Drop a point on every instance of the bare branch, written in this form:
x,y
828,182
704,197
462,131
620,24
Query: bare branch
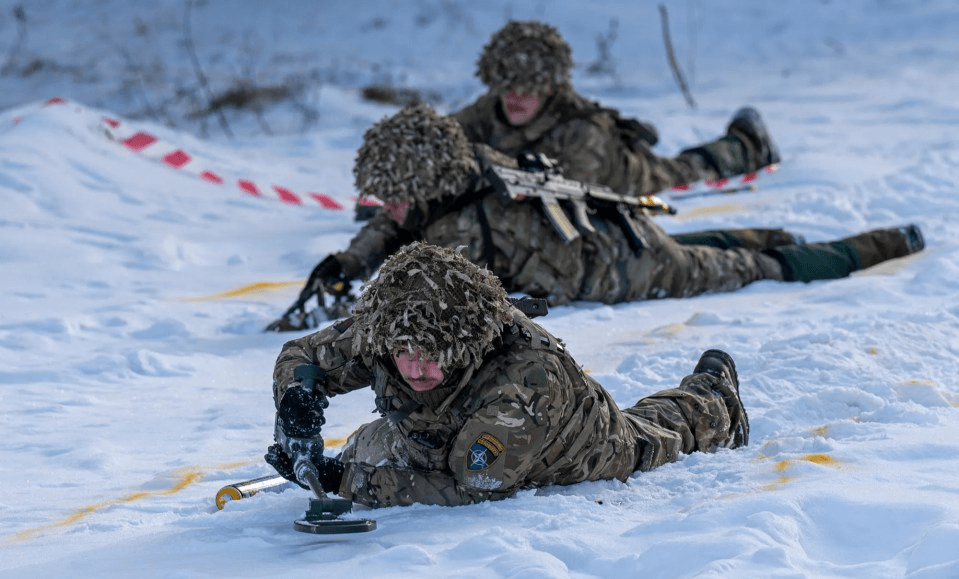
x,y
191,50
677,73
21,17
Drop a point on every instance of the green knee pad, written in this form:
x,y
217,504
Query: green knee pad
x,y
814,261
717,239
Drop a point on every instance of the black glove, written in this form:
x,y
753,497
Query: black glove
x,y
282,462
329,470
328,276
301,412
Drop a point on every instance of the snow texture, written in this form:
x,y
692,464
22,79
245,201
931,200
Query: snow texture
x,y
132,387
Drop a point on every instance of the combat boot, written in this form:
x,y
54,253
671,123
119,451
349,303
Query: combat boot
x,y
746,147
720,364
748,126
838,259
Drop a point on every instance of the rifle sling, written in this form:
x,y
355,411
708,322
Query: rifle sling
x,y
474,196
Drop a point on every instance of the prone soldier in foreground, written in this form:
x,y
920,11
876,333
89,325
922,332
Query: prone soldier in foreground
x,y
476,400
439,188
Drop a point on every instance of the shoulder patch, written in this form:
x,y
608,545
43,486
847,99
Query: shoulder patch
x,y
484,452
343,325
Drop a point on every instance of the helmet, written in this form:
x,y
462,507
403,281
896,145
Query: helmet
x,y
434,299
416,155
525,57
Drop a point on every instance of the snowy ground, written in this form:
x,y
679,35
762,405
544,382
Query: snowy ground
x,y
132,388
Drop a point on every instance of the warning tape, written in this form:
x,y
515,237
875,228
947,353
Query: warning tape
x,y
722,185
151,146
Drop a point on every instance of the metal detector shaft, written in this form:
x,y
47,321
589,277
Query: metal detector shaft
x,y
309,477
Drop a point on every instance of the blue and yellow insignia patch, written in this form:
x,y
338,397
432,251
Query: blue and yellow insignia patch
x,y
484,452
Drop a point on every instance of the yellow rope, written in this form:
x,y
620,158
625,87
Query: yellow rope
x,y
186,477
256,287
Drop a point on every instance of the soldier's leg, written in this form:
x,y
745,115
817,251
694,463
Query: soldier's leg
x,y
667,269
663,173
745,148
664,268
704,413
837,259
750,238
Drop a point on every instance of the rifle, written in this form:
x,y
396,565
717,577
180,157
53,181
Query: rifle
x,y
540,178
298,318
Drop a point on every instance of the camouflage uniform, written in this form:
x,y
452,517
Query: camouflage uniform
x,y
516,412
588,140
516,241
585,141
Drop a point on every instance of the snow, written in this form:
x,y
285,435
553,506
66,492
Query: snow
x,y
132,389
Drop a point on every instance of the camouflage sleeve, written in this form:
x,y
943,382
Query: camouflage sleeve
x,y
492,455
402,486
594,154
376,241
329,348
501,444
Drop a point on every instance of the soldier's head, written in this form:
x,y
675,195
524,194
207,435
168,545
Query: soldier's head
x,y
523,63
411,158
430,303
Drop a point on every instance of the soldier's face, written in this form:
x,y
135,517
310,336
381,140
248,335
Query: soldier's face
x,y
420,372
520,108
397,210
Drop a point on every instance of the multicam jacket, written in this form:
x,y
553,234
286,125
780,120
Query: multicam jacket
x,y
527,416
515,240
586,141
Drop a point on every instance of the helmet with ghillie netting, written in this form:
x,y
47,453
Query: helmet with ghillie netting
x,y
416,156
432,299
525,57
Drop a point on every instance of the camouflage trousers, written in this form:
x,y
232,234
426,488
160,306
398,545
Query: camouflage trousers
x,y
667,267
693,417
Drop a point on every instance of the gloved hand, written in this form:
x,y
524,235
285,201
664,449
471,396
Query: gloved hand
x,y
281,461
300,413
298,421
328,276
329,470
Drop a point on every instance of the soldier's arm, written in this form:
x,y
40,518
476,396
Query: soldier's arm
x,y
329,348
379,238
489,460
593,154
506,438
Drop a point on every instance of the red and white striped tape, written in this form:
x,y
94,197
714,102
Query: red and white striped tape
x,y
152,147
174,157
723,183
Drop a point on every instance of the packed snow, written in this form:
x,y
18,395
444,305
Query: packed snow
x,y
135,379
